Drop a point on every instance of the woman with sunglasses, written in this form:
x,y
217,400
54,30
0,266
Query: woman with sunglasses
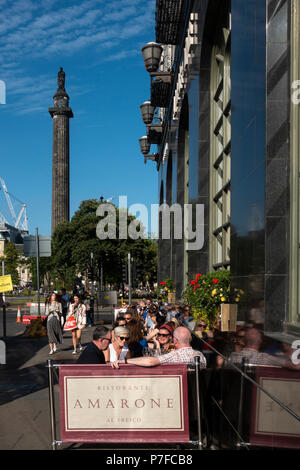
x,y
118,349
160,341
165,339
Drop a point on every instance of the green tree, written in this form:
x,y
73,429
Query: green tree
x,y
12,260
45,270
73,243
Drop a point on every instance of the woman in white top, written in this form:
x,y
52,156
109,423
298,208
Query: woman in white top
x,y
118,349
78,309
53,311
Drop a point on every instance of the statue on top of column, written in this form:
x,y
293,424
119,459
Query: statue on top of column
x,y
61,79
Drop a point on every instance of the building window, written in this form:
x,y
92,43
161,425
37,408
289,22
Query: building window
x,y
220,150
294,284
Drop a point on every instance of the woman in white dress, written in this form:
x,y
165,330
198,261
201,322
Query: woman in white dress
x,y
78,310
118,349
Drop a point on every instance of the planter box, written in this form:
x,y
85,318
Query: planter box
x,y
228,317
171,297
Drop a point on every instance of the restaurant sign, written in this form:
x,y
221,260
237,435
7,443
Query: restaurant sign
x,y
131,404
271,424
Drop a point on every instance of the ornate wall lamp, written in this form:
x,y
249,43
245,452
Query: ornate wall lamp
x,y
145,148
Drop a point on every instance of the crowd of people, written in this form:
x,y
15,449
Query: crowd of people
x,y
157,331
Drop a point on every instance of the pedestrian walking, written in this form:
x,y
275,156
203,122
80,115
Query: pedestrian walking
x,y
77,309
87,304
53,312
65,300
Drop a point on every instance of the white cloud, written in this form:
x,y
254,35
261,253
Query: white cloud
x,y
48,29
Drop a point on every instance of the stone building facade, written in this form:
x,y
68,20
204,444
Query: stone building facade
x,y
230,140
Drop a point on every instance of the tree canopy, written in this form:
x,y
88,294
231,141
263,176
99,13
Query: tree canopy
x,y
74,241
12,260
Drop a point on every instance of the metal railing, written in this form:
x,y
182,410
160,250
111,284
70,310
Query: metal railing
x,y
201,415
243,375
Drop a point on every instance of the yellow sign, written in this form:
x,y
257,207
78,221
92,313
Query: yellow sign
x,y
6,283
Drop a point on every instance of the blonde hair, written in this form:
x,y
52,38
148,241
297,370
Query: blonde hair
x,y
121,330
174,321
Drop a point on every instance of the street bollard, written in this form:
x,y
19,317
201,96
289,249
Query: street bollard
x,y
52,405
198,404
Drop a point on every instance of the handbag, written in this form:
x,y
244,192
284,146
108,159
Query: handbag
x,y
70,323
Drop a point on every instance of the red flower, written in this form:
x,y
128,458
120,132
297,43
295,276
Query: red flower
x,y
193,282
198,275
162,283
215,281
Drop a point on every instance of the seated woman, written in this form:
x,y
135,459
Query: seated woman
x,y
153,319
118,349
160,340
136,343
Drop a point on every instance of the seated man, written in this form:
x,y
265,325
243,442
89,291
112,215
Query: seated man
x,y
252,355
93,353
183,353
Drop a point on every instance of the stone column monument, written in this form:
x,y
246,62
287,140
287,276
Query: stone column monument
x,y
61,113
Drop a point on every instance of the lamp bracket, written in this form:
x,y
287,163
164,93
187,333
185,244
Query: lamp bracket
x,y
153,156
163,76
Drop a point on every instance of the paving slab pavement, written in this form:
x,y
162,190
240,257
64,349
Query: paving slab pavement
x,y
24,394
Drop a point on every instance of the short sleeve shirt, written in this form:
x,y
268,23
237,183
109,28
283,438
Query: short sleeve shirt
x,y
255,357
182,355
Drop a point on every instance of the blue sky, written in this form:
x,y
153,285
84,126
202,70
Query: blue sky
x,y
98,44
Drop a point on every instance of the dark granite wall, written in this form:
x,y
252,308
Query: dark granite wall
x,y
248,124
260,156
277,165
260,151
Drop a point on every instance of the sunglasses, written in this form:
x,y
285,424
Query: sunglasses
x,y
108,339
123,338
163,334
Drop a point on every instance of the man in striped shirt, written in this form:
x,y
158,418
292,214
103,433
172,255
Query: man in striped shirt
x,y
183,353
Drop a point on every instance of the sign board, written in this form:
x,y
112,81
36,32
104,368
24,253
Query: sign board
x,y
26,319
107,298
6,283
34,307
30,246
131,404
118,311
271,425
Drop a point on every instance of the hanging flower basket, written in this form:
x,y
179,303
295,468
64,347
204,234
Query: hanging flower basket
x,y
166,290
207,293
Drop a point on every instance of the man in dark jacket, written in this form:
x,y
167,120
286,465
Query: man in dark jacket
x,y
93,354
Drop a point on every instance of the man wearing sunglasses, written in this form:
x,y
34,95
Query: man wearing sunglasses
x,y
93,353
183,353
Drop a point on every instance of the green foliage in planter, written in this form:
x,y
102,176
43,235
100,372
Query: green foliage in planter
x,y
164,287
205,293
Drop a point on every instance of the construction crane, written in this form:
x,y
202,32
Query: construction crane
x,y
20,221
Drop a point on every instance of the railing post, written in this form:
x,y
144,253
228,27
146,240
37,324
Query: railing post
x,y
52,405
241,402
198,404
